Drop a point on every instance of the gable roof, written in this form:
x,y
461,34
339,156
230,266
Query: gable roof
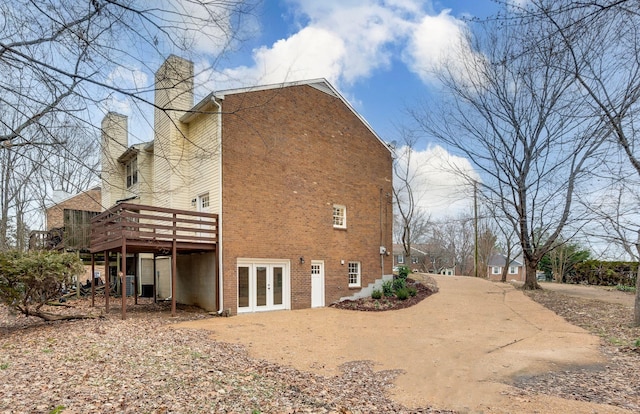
x,y
399,249
500,260
320,84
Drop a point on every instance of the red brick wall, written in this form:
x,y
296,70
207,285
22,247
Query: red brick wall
x,y
87,201
288,156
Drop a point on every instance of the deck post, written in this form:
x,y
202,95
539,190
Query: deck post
x,y
174,268
154,278
107,276
135,278
93,280
123,278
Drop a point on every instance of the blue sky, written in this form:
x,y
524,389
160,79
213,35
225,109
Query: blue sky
x,y
375,52
379,54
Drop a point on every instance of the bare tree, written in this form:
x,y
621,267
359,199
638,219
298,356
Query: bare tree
x,y
602,41
408,217
512,111
65,62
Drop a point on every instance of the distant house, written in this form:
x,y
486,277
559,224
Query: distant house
x,y
448,271
418,258
68,222
496,265
254,199
68,225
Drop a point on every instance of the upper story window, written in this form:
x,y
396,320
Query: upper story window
x,y
132,172
204,201
354,274
339,216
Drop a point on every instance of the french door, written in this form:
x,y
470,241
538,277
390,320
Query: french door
x,y
263,285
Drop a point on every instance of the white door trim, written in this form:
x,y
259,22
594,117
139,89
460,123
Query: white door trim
x,y
253,264
317,283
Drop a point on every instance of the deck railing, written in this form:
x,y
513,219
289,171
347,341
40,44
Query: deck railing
x,y
144,225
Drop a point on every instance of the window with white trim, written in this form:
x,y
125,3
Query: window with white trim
x,y
354,274
400,259
339,216
495,270
132,172
204,201
513,270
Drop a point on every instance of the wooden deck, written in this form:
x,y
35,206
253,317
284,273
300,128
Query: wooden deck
x,y
136,228
149,229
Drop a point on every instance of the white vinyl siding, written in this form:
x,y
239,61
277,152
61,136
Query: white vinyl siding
x,y
205,167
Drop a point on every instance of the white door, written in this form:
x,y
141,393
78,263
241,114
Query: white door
x,y
317,283
204,206
262,286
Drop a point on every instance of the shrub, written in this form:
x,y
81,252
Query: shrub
x,y
624,288
596,272
29,280
387,288
399,283
403,272
402,294
412,291
376,294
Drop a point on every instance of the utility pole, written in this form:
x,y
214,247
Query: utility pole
x,y
475,227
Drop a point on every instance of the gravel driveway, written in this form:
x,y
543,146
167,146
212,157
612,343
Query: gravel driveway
x,y
458,349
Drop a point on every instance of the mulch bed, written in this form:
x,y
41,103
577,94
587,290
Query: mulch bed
x,y
388,303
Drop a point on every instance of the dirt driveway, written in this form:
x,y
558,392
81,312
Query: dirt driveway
x,y
457,348
605,294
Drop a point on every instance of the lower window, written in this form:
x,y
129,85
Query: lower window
x,y
354,274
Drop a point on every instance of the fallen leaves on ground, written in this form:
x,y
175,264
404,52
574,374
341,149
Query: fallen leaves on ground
x,y
618,382
140,365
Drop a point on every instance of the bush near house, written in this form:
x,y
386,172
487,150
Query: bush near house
x,y
596,272
403,272
29,280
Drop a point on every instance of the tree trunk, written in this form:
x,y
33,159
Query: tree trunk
x,y
50,317
636,310
531,280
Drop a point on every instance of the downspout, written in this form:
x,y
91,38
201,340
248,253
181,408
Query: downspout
x,y
219,247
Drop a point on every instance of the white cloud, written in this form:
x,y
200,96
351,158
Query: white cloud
x,y
441,181
346,41
435,43
114,104
312,52
202,27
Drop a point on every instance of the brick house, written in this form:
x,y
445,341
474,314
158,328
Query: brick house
x,y
496,266
67,222
299,183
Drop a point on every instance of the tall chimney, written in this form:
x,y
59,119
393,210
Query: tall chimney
x,y
114,143
173,97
